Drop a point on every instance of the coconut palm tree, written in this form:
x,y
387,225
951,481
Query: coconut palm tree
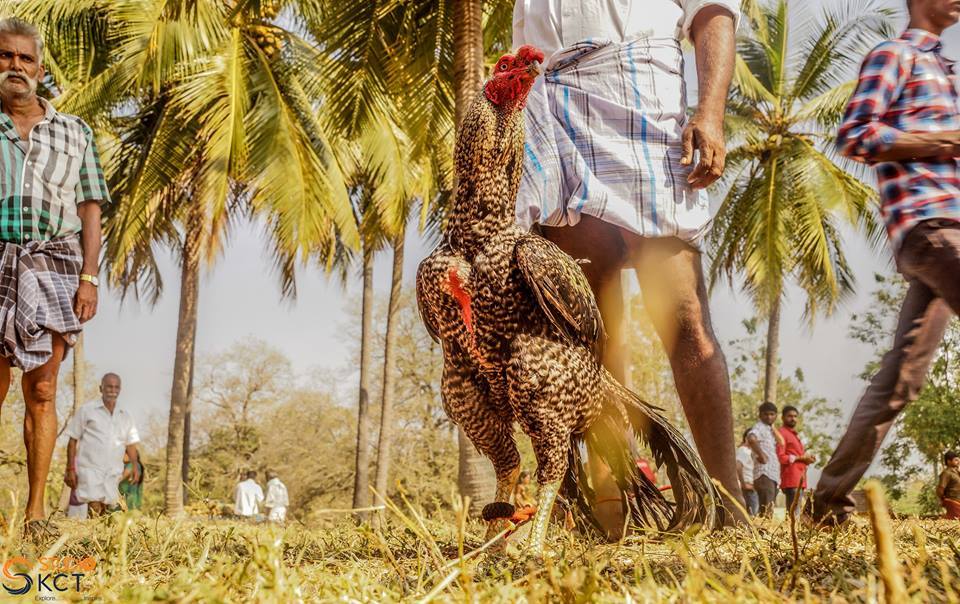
x,y
214,124
427,56
787,193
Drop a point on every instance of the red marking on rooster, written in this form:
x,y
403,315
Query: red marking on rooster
x,y
462,298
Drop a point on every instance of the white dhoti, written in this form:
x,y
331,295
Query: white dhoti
x,y
95,484
278,514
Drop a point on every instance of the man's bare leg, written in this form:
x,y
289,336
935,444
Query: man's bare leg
x,y
601,244
4,380
671,277
40,426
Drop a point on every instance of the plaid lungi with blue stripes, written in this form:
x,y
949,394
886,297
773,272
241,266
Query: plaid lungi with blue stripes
x,y
38,283
603,137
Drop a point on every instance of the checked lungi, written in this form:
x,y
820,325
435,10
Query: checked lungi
x,y
603,137
38,283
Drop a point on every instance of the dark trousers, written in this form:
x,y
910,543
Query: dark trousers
x,y
791,494
930,261
766,494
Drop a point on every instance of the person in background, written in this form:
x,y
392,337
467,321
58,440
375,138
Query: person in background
x,y
130,488
763,440
248,496
276,501
904,119
99,435
793,459
948,488
745,474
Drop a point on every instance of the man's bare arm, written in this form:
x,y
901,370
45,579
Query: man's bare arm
x,y
754,443
134,456
85,305
714,38
70,477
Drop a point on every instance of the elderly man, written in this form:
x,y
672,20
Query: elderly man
x,y
51,191
904,119
615,173
100,435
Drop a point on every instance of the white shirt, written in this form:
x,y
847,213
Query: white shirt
x,y
551,25
101,438
768,444
247,498
276,494
745,459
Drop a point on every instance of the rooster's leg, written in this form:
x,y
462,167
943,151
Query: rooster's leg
x,y
468,403
538,533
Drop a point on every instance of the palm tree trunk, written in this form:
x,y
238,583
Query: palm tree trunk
x,y
476,478
389,373
78,376
361,492
773,354
180,389
185,465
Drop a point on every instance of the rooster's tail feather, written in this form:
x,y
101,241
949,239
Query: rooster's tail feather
x,y
695,499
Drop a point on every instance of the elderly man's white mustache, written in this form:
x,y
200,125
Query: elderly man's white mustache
x,y
6,75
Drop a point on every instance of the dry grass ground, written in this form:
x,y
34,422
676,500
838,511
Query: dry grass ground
x,y
142,559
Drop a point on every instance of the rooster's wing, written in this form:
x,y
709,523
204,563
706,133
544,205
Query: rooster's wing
x,y
562,290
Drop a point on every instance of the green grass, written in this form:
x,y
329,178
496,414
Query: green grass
x,y
142,559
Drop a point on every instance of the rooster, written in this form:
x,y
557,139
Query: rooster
x,y
521,336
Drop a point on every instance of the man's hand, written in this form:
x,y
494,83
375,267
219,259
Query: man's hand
x,y
704,134
135,474
85,303
808,459
70,479
761,458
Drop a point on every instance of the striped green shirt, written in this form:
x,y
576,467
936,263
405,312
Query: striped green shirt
x,y
45,178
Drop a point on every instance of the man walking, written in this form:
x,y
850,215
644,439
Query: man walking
x,y
51,191
100,434
793,458
247,497
948,487
612,177
904,119
763,441
276,501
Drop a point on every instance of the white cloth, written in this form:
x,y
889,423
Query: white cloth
x,y
102,437
552,25
276,494
604,124
278,513
745,459
77,511
247,498
768,444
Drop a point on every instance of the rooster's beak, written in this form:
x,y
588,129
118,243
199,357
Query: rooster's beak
x,y
534,68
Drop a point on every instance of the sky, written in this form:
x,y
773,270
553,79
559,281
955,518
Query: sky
x,y
239,297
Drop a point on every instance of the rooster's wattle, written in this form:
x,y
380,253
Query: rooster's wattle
x,y
521,336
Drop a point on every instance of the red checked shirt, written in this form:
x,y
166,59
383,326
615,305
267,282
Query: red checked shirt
x,y
793,473
905,85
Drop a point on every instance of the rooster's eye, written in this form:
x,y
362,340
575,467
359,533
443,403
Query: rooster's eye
x,y
503,66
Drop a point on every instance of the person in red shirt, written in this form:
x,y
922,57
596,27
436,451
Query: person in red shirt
x,y
793,459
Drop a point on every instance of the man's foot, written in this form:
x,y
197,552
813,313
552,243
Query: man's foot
x,y
40,530
820,517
